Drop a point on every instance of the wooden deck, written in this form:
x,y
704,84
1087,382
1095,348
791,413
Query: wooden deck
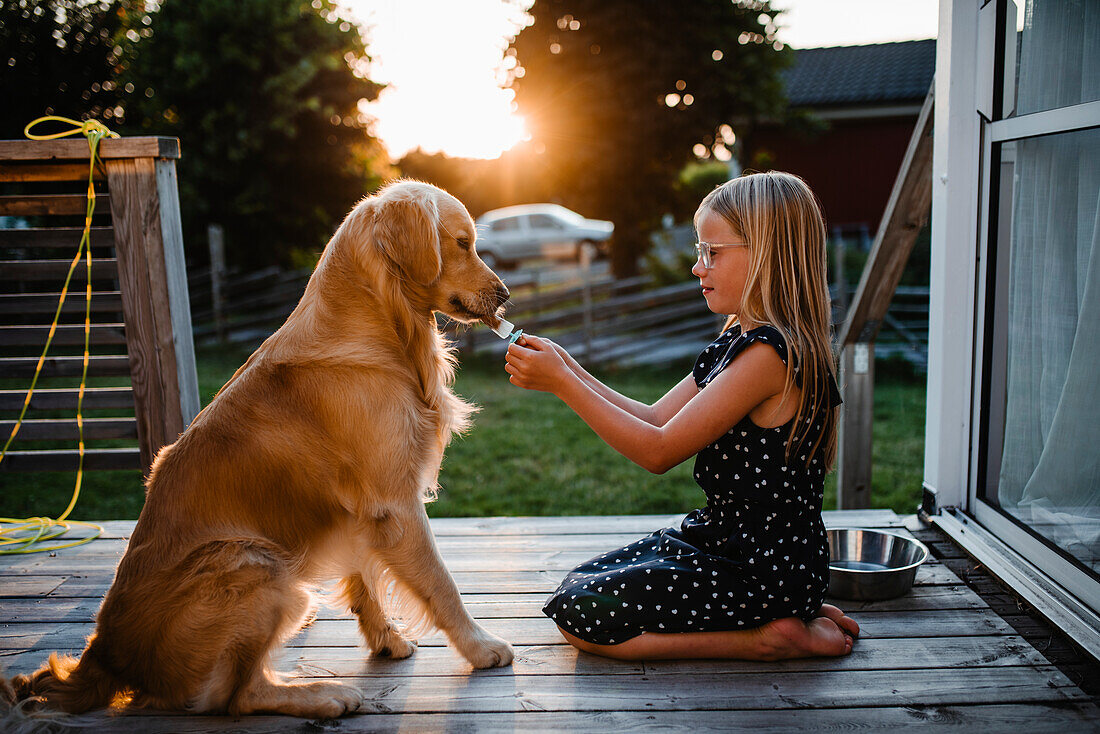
x,y
939,655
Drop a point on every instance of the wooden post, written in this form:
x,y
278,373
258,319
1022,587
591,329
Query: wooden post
x,y
906,213
854,442
215,236
149,245
586,296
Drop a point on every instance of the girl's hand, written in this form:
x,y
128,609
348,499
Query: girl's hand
x,y
537,365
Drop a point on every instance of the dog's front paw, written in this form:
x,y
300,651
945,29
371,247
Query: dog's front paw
x,y
397,648
485,650
392,645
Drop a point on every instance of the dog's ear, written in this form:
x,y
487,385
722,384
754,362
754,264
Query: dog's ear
x,y
406,231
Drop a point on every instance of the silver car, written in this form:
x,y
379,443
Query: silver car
x,y
509,235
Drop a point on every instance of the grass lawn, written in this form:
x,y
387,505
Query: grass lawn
x,y
527,454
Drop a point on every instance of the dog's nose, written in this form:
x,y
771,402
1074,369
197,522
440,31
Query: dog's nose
x,y
501,293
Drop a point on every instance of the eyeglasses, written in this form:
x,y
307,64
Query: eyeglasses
x,y
705,251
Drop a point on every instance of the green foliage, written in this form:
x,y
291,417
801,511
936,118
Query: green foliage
x,y
669,266
263,95
529,454
699,178
593,82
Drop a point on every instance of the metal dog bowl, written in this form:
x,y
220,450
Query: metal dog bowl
x,y
867,565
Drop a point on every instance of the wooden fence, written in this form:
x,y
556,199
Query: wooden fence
x,y
143,389
601,321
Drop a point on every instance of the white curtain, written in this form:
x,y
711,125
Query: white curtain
x,y
1050,468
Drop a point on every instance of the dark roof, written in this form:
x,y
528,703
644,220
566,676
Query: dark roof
x,y
881,72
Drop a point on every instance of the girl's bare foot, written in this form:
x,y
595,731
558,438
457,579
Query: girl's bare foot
x,y
829,635
848,625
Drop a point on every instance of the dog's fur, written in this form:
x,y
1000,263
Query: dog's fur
x,y
313,462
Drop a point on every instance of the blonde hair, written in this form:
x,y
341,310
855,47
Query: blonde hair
x,y
780,219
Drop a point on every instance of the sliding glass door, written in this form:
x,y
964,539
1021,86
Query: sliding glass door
x,y
1036,474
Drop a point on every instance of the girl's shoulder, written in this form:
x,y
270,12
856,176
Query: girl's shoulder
x,y
731,342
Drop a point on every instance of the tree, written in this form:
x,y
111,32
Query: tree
x,y
264,96
59,57
617,92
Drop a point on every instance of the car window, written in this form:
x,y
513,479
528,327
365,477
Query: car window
x,y
544,221
508,224
568,215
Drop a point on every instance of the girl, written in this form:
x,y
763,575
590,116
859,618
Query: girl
x,y
745,576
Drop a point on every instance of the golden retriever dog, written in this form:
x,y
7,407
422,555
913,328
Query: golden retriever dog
x,y
312,463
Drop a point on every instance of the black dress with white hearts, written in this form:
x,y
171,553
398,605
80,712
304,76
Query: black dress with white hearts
x,y
757,552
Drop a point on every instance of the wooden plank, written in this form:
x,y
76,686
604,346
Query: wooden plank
x,y
65,334
556,563
65,398
66,429
1038,718
76,149
149,247
46,303
67,460
46,171
112,365
56,237
563,659
559,562
468,582
626,524
175,290
24,271
516,563
23,586
50,204
719,691
579,524
344,632
480,605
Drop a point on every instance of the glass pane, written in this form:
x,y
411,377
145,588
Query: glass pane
x,y
1058,55
543,221
1047,475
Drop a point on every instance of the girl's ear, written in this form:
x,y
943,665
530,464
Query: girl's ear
x,y
406,232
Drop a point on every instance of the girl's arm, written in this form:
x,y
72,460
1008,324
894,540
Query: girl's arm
x,y
756,375
656,414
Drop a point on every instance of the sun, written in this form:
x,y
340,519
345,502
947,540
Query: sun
x,y
444,63
472,123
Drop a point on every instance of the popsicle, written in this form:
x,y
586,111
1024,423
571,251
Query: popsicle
x,y
507,330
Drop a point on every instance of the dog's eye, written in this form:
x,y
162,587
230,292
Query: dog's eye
x,y
463,242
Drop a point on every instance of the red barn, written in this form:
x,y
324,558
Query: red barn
x,y
869,98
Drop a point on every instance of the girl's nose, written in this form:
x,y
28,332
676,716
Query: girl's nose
x,y
697,269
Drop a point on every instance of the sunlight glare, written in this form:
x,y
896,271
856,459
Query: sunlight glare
x,y
444,63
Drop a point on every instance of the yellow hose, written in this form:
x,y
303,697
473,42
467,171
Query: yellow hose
x,y
24,535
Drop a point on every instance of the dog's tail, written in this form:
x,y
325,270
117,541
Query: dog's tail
x,y
63,683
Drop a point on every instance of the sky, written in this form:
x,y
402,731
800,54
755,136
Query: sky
x,y
444,61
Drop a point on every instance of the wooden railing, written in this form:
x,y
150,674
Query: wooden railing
x,y
907,211
141,323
